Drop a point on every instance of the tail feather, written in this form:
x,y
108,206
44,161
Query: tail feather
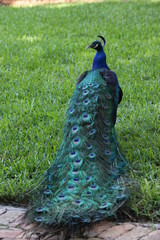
x,y
87,181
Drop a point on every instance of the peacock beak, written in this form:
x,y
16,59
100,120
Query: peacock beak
x,y
90,46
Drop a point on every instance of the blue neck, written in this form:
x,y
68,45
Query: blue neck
x,y
99,60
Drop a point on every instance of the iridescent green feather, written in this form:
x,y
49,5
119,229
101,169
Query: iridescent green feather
x,y
87,181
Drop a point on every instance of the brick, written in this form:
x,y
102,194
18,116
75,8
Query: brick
x,y
116,231
51,238
7,233
76,238
154,226
16,222
28,226
12,238
31,235
21,236
3,227
11,208
94,238
34,237
97,228
155,235
9,217
134,234
3,210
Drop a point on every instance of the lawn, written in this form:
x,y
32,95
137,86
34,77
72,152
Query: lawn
x,y
42,55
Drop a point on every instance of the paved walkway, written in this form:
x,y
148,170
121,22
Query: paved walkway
x,y
12,227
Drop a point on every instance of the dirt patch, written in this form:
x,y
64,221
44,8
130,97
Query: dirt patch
x,y
19,3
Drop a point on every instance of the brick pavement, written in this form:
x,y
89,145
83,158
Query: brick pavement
x,y
12,227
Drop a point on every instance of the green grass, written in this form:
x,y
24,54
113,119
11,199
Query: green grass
x,y
42,55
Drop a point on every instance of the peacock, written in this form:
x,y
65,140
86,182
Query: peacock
x,y
88,180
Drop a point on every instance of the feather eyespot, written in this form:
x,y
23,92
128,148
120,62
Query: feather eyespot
x,y
93,187
88,178
104,106
92,155
108,96
71,187
107,152
61,197
77,162
86,102
39,219
95,98
86,117
76,180
92,131
96,85
102,196
77,102
84,87
76,141
92,91
71,111
85,92
107,130
89,146
73,154
40,209
106,141
107,123
105,136
75,129
47,192
75,171
78,202
106,205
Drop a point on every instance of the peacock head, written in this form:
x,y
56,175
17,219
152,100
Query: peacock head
x,y
97,44
99,60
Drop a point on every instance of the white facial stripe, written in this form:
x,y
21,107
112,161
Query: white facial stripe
x,y
96,46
